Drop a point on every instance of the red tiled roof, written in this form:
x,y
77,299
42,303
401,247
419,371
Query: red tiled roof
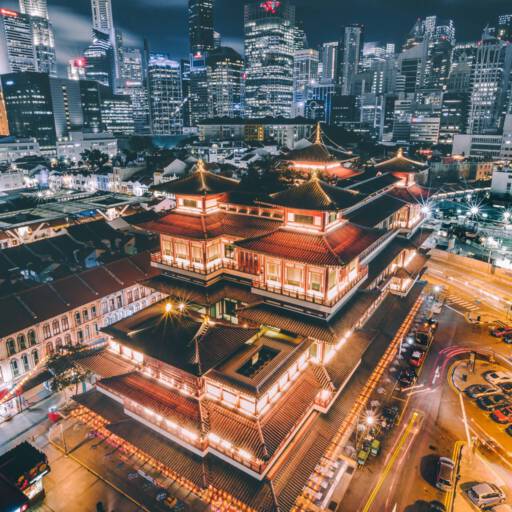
x,y
335,248
413,194
400,163
24,309
203,227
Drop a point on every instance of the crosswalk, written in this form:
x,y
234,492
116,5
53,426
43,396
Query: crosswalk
x,y
455,300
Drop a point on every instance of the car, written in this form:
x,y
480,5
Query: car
x,y
423,335
497,377
478,390
485,495
508,430
491,402
406,377
502,414
498,331
417,358
445,473
436,506
507,339
506,387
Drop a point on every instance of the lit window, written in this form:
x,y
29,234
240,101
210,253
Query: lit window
x,y
294,276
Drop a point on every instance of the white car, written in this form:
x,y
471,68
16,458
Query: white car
x,y
497,377
485,495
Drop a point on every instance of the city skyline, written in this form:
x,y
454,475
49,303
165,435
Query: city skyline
x,y
167,30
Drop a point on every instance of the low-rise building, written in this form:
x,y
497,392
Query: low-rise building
x,y
11,148
501,183
72,147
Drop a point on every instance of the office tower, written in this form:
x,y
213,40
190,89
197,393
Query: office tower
x,y
117,115
17,52
133,85
102,18
350,50
76,69
198,79
463,58
90,101
269,49
324,93
411,67
217,40
504,29
100,60
305,76
185,91
200,26
165,95
441,39
329,59
301,40
224,74
42,33
66,106
454,115
491,85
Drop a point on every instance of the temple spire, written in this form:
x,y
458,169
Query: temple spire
x,y
318,134
400,153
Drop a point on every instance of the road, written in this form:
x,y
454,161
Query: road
x,y
401,478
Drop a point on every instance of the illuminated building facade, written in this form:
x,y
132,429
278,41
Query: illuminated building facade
x,y
269,51
200,26
17,52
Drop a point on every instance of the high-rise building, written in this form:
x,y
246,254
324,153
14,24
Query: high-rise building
x,y
463,58
200,26
90,100
198,80
217,39
100,59
491,85
102,18
411,64
66,106
504,29
269,49
329,58
132,66
116,113
305,77
454,116
17,52
42,33
185,91
224,73
76,69
165,95
350,51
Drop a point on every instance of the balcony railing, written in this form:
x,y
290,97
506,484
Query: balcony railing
x,y
197,268
310,296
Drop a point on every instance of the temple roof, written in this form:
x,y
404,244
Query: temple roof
x,y
375,212
335,248
400,163
200,182
315,194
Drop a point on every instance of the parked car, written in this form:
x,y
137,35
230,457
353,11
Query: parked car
x,y
506,387
491,402
503,414
478,390
508,430
485,495
498,331
423,335
497,377
445,473
508,339
406,377
417,358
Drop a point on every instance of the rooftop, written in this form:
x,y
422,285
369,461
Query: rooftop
x,y
400,163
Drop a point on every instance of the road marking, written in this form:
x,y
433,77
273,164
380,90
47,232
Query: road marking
x,y
408,430
436,374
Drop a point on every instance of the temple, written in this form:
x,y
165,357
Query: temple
x,y
246,367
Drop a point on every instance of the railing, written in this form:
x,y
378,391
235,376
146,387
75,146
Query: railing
x,y
309,296
197,268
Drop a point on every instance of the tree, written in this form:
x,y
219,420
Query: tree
x,y
94,158
65,370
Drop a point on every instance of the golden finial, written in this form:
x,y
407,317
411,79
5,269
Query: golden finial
x,y
318,134
400,153
314,175
200,165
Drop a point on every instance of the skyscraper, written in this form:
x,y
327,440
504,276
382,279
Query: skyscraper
x,y
165,95
102,18
350,50
224,72
270,37
42,33
305,77
17,51
200,25
100,59
491,85
329,61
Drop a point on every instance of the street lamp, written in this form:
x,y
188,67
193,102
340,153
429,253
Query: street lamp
x,y
474,210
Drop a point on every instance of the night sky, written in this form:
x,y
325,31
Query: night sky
x,y
164,22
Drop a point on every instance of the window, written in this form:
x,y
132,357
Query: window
x,y
35,357
64,322
112,305
142,291
85,315
22,342
119,301
67,339
273,271
294,276
25,362
31,337
58,344
55,327
229,251
315,281
189,203
49,349
80,337
93,311
332,216
136,294
130,297
78,319
304,219
331,278
167,248
87,332
212,252
15,370
46,331
11,347
197,254
104,307
181,250
96,329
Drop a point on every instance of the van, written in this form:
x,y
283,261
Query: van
x,y
445,473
